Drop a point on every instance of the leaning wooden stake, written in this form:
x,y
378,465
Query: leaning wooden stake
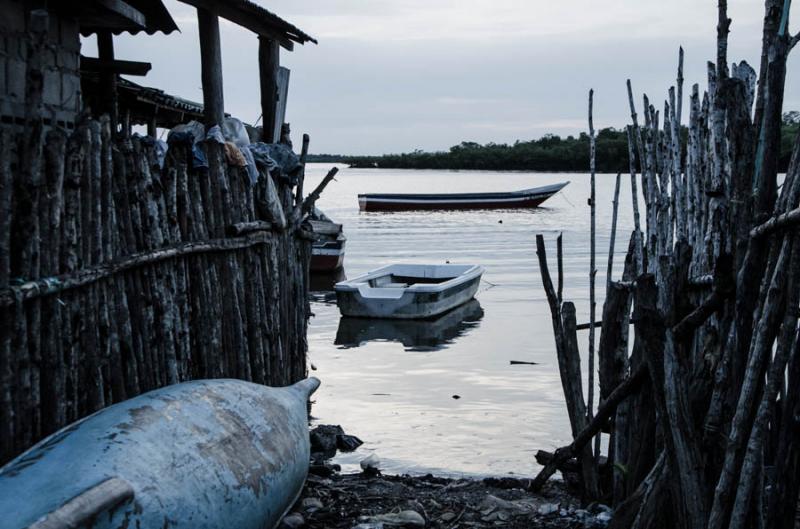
x,y
310,200
778,222
639,253
613,240
298,196
564,330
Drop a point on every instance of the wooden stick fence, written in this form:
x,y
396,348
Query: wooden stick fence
x,y
715,292
119,276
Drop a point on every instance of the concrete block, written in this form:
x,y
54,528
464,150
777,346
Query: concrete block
x,y
70,92
52,88
70,39
13,18
15,79
3,87
67,60
13,46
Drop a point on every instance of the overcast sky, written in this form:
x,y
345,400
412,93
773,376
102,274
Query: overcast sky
x,y
398,75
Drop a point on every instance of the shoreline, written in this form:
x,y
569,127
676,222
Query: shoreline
x,y
372,500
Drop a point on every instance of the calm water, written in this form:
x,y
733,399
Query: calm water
x,y
393,384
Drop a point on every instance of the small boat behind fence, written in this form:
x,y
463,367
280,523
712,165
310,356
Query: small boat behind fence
x,y
327,252
527,198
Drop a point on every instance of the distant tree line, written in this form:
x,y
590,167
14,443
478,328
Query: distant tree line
x,y
549,153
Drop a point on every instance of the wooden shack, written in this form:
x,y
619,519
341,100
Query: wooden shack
x,y
123,270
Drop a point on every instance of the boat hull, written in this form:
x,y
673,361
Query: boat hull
x,y
327,256
418,302
327,253
322,262
199,455
530,198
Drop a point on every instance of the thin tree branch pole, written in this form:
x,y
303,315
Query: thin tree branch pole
x,y
604,411
615,211
309,201
649,489
637,226
637,131
298,195
679,82
550,293
723,28
793,41
698,316
560,262
56,284
677,211
592,268
242,228
779,222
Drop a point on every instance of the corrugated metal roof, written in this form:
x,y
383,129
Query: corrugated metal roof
x,y
293,32
156,15
158,97
254,17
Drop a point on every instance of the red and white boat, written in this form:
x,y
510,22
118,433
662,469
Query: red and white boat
x,y
327,253
527,198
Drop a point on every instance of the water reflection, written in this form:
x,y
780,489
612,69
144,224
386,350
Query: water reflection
x,y
415,335
321,285
479,433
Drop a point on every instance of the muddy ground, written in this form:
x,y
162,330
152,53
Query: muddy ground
x,y
373,501
370,500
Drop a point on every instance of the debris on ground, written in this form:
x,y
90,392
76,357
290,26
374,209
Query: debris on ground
x,y
370,500
370,463
388,502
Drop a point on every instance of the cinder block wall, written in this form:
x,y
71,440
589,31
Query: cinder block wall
x,y
62,87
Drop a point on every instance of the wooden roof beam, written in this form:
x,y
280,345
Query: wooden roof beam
x,y
93,64
245,20
211,67
268,65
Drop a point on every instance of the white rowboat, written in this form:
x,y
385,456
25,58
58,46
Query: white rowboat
x,y
409,291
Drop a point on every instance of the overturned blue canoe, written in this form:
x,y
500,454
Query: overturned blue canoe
x,y
200,455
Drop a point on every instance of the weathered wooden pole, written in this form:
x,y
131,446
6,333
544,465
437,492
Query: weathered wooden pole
x,y
613,239
108,78
211,67
569,366
268,64
592,271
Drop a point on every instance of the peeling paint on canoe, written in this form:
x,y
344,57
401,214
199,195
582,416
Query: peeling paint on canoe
x,y
201,455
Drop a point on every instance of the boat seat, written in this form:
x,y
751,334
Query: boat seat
x,y
394,285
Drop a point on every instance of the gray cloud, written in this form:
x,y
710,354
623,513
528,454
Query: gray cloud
x,y
396,75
